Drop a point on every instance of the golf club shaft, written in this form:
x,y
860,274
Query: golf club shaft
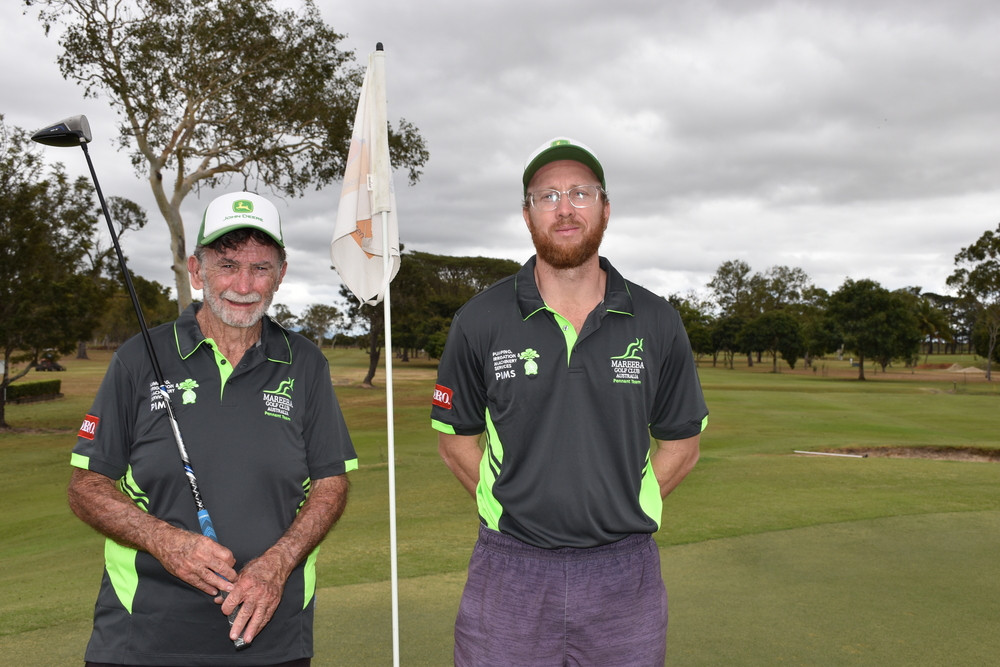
x,y
157,372
204,520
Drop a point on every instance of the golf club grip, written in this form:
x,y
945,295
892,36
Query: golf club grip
x,y
238,642
208,530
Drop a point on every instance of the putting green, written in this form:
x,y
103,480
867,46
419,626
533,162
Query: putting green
x,y
909,590
897,591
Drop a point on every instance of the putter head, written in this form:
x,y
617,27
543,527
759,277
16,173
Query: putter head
x,y
71,131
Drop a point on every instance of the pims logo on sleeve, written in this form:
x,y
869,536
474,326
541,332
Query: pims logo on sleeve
x,y
89,427
442,396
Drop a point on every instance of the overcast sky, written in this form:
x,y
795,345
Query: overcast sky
x,y
848,138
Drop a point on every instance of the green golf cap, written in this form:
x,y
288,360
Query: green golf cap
x,y
238,210
562,148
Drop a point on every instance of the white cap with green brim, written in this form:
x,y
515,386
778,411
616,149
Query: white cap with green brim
x,y
562,148
239,210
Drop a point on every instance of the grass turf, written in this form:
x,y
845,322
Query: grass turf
x,y
769,557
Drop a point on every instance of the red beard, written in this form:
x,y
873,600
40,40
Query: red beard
x,y
567,256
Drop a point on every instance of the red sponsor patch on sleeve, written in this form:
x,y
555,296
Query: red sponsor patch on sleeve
x,y
442,396
89,427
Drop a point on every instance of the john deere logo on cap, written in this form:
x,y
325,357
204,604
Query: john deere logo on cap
x,y
561,142
242,206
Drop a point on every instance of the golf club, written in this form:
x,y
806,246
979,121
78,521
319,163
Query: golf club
x,y
75,131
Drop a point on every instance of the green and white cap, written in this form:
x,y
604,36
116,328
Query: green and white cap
x,y
562,148
238,210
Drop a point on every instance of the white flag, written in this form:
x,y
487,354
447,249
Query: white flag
x,y
358,244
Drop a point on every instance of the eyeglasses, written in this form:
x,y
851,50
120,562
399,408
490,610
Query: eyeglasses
x,y
582,196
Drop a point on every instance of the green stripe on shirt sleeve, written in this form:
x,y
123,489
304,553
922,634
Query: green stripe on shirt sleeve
x,y
447,429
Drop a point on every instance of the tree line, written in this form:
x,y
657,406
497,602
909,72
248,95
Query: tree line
x,y
778,314
782,314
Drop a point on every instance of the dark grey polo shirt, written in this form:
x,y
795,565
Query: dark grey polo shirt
x,y
568,417
257,435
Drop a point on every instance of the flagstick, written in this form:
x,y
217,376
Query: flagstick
x,y
394,576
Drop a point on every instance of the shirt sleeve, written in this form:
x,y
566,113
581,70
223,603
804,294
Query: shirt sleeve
x,y
459,401
679,409
103,442
329,449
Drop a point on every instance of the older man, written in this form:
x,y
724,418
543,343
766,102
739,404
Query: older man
x,y
568,369
267,441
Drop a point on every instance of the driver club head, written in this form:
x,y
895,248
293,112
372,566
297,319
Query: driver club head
x,y
71,131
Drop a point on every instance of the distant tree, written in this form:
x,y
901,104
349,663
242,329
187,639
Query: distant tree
x,y
874,322
118,321
931,320
424,297
371,319
784,288
697,319
818,336
283,315
732,289
430,288
904,343
209,90
775,332
48,300
725,332
959,321
317,320
106,271
983,340
977,279
736,293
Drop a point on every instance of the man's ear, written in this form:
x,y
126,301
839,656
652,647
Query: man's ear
x,y
281,275
194,271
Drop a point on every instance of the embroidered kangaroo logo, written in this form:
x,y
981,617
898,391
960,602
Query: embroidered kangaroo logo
x,y
284,389
529,356
188,396
633,350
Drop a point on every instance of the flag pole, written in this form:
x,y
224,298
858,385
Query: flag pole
x,y
382,203
390,431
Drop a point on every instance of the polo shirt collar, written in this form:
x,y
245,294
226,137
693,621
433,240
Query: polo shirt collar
x,y
273,339
617,298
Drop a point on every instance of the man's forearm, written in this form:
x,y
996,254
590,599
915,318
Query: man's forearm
x,y
322,509
96,500
462,455
189,556
673,460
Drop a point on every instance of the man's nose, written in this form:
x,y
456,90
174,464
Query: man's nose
x,y
243,282
563,207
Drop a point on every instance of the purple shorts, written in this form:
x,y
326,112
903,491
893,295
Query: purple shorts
x,y
523,605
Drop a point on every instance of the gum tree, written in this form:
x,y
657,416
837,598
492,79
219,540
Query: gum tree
x,y
208,91
875,323
977,279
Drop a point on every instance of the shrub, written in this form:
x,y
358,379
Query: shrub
x,y
33,391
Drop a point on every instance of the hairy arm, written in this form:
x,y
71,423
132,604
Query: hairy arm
x,y
673,460
192,557
462,455
260,583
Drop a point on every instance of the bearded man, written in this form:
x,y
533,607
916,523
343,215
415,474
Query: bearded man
x,y
568,369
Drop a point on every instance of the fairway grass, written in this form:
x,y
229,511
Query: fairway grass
x,y
769,557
